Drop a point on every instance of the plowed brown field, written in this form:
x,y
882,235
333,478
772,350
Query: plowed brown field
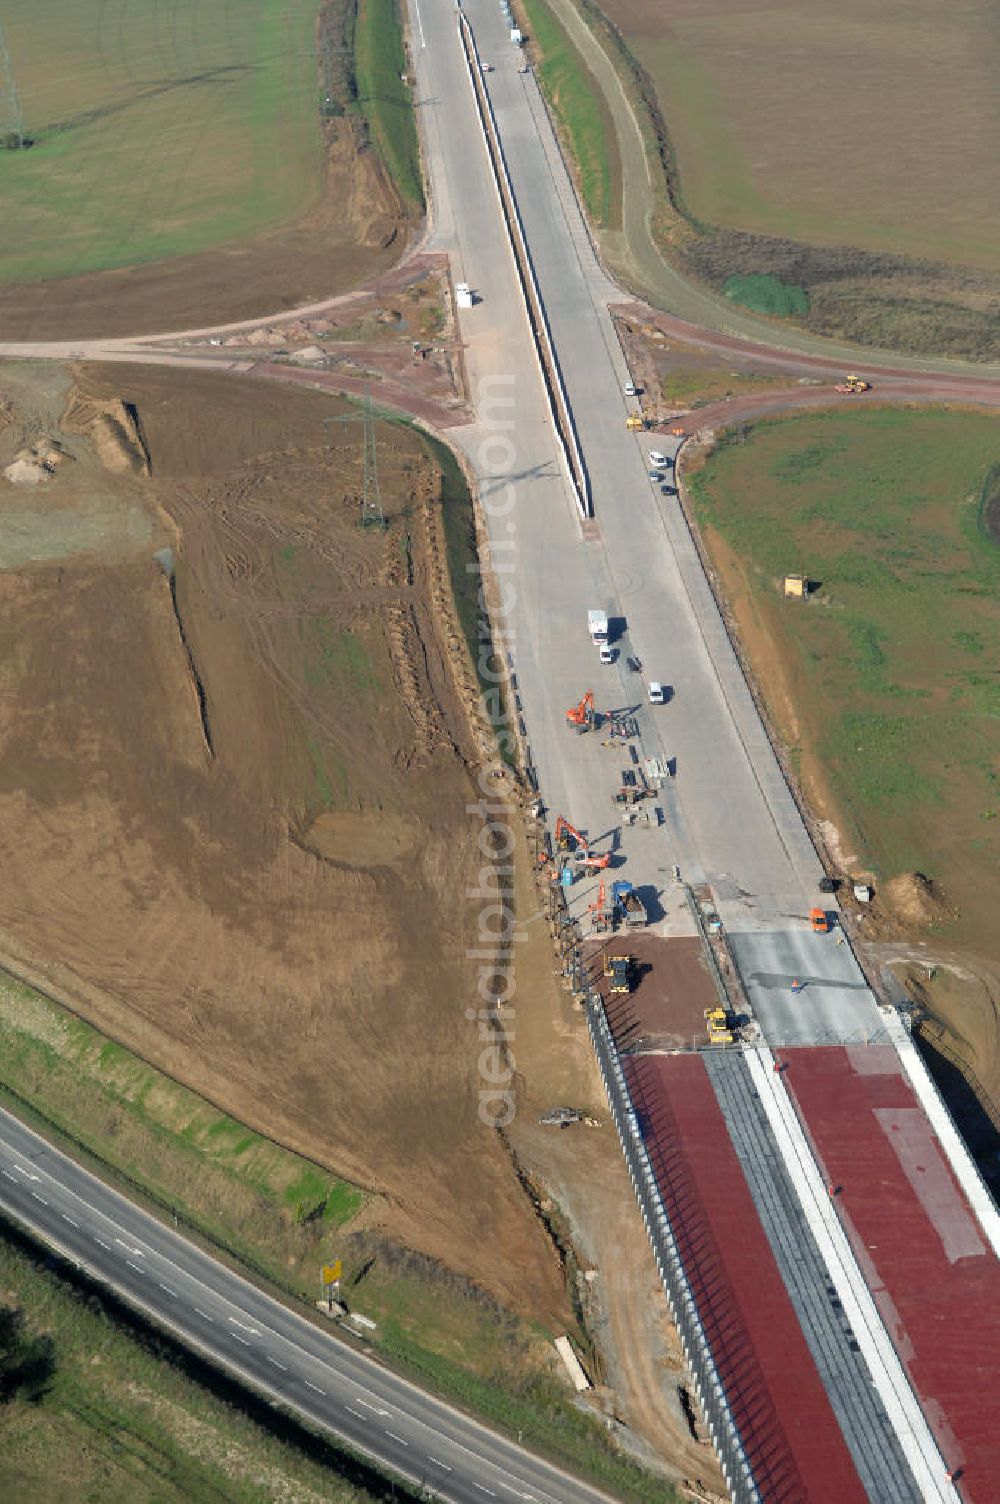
x,y
232,810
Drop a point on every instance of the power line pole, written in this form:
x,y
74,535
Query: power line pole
x,y
11,119
372,511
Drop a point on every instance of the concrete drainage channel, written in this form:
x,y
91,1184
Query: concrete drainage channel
x,y
555,391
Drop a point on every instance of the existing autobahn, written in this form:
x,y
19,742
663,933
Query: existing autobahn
x,y
260,1341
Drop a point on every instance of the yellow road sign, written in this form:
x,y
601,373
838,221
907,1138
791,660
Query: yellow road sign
x,y
332,1272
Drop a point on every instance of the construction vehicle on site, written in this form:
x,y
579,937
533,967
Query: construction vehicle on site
x,y
719,1028
568,837
583,717
618,973
571,840
635,423
853,386
628,906
600,919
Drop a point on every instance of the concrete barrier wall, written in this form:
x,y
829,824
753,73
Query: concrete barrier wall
x,y
559,408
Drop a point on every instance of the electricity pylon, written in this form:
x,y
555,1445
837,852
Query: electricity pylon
x,y
11,119
372,513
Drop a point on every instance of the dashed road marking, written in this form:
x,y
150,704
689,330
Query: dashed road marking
x,y
171,1293
40,1198
239,1338
369,1406
203,1314
102,1242
129,1247
137,1267
71,1220
437,1463
282,1366
400,1439
254,1332
8,1175
315,1387
355,1412
484,1490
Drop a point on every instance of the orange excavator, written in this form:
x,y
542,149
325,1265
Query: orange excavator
x,y
583,717
568,838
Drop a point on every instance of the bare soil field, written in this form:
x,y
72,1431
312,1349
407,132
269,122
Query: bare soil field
x,y
232,795
845,126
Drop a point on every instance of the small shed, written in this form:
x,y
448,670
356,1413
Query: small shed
x,y
796,587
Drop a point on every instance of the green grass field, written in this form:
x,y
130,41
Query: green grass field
x,y
581,111
892,665
842,125
160,127
386,101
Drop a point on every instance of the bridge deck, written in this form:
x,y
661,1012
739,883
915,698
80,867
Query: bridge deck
x,y
779,1402
935,1280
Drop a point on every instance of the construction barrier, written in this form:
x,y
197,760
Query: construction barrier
x,y
555,391
697,1353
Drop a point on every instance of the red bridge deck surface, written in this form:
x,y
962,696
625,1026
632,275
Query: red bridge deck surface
x,y
934,1277
788,1427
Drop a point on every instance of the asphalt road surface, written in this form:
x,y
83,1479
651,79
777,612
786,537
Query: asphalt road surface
x,y
260,1341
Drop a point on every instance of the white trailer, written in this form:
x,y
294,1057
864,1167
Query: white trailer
x,y
597,623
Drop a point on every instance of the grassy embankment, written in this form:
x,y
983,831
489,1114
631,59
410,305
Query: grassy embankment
x,y
124,1417
154,138
779,218
884,684
383,98
582,113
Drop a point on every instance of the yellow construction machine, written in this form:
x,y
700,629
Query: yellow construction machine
x,y
719,1031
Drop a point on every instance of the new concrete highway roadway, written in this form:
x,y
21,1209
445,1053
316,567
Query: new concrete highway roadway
x,y
263,1343
729,818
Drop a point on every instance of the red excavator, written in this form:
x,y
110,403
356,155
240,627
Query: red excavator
x,y
568,838
583,717
600,919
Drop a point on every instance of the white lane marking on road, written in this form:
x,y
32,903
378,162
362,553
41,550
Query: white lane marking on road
x,y
420,23
26,1173
244,1328
171,1293
40,1198
8,1175
369,1406
282,1366
484,1490
203,1314
355,1412
400,1439
239,1338
438,1463
129,1247
137,1267
102,1242
71,1220
314,1386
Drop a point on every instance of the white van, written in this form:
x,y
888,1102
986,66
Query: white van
x,y
606,654
657,695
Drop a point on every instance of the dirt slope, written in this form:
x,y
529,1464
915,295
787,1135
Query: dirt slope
x,y
232,813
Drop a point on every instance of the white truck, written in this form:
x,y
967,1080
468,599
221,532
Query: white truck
x,y
516,36
597,621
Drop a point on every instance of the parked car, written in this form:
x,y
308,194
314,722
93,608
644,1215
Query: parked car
x,y
606,654
656,458
631,390
657,694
